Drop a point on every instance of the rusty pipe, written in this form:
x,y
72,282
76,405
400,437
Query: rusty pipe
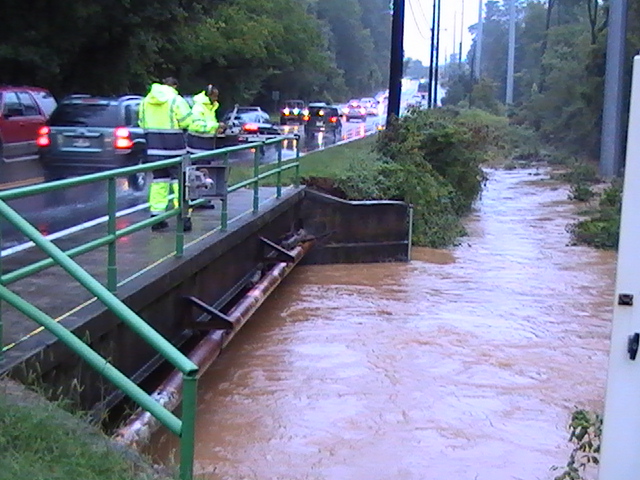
x,y
139,428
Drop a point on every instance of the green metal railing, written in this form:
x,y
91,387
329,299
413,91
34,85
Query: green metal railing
x,y
183,427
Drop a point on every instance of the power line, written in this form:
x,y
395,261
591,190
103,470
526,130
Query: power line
x,y
422,14
415,21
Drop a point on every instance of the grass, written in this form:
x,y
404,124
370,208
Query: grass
x,y
330,162
40,441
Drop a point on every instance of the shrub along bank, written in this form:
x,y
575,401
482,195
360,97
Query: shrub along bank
x,y
601,228
429,158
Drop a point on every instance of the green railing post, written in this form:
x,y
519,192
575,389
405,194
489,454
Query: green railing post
x,y
297,147
296,179
188,431
182,205
279,174
224,214
256,184
112,263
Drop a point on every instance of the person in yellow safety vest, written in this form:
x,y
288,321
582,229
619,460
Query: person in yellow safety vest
x,y
164,116
204,127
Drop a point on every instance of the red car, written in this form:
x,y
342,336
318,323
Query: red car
x,y
23,112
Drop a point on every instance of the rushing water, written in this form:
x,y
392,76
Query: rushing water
x,y
462,364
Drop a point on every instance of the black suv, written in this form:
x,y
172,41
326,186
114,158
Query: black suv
x,y
323,118
87,134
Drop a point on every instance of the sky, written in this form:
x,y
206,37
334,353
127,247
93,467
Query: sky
x,y
417,27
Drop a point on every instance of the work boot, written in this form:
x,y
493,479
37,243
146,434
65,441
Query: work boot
x,y
158,227
187,225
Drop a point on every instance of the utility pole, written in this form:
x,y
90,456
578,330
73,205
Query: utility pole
x,y
461,33
432,53
455,36
397,60
437,56
512,52
479,39
612,136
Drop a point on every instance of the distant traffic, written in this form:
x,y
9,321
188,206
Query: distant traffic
x,y
43,139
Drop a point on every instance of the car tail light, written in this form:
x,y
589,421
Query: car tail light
x,y
250,127
306,118
43,139
123,138
333,119
285,111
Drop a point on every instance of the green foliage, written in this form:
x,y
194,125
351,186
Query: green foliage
x,y
603,229
372,177
579,172
483,97
249,48
585,434
45,443
366,177
559,68
581,192
436,158
448,143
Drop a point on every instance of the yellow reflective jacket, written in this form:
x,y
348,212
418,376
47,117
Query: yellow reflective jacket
x,y
203,115
164,109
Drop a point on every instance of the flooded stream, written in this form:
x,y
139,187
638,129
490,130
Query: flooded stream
x,y
463,364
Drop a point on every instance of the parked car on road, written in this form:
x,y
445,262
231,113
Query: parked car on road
x,y
355,111
88,134
23,111
323,118
250,124
370,104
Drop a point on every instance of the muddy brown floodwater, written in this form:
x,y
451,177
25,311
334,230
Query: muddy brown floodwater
x,y
462,364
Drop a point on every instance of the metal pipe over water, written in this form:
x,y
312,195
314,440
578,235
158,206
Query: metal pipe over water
x,y
139,428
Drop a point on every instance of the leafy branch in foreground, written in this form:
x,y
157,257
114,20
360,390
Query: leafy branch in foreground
x,y
585,433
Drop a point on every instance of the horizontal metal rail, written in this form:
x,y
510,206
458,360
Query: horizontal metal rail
x,y
184,428
40,188
142,398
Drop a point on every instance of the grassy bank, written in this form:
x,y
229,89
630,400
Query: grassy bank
x,y
601,202
40,441
329,163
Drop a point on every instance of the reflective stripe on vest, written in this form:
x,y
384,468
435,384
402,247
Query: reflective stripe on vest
x,y
166,143
200,143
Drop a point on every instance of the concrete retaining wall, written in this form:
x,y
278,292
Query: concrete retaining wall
x,y
356,232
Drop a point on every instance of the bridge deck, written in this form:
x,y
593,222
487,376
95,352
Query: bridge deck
x,y
59,295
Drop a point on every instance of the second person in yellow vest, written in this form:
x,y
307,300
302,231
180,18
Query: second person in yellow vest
x,y
201,136
204,127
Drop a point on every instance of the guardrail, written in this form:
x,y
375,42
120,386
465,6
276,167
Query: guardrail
x,y
183,427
